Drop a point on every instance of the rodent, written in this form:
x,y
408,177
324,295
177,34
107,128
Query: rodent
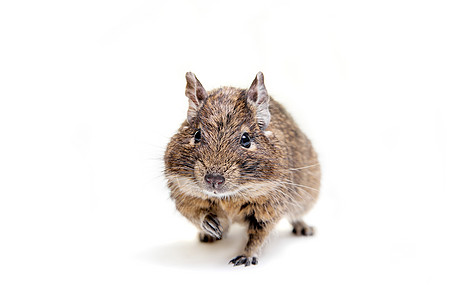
x,y
240,157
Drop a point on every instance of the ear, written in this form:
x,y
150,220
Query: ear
x,y
195,93
257,96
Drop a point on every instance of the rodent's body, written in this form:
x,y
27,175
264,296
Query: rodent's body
x,y
240,157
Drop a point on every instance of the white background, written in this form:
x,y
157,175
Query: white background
x,y
91,92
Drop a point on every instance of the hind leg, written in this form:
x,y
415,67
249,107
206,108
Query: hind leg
x,y
301,228
302,203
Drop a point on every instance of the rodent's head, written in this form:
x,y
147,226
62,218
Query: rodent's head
x,y
223,149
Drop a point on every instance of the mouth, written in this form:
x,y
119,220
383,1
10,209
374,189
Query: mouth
x,y
219,193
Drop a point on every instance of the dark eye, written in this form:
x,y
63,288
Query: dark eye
x,y
197,136
245,140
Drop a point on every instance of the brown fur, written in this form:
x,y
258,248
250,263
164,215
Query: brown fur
x,y
278,176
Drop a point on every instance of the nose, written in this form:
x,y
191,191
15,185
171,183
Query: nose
x,y
215,180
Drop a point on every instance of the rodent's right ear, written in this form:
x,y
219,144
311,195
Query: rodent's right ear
x,y
258,97
195,93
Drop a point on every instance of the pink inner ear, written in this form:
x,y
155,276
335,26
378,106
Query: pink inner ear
x,y
200,92
194,89
252,94
257,92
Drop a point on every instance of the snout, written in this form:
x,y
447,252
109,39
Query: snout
x,y
214,180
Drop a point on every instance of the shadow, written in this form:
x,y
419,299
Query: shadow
x,y
193,254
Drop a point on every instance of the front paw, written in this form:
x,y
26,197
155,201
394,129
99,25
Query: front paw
x,y
212,227
244,260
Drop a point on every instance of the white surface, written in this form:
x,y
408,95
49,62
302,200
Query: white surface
x,y
91,91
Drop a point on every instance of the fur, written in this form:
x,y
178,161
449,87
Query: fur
x,y
277,176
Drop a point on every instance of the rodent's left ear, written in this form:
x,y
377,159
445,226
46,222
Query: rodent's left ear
x,y
259,98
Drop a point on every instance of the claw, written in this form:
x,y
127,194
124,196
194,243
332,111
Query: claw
x,y
212,226
244,260
206,238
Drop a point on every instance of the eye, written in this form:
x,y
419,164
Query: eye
x,y
197,136
245,140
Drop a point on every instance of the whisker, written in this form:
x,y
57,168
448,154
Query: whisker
x,y
295,169
279,181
